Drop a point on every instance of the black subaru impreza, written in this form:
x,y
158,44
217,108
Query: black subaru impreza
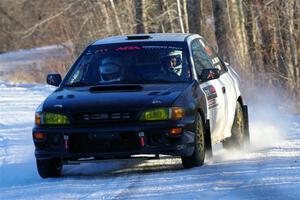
x,y
140,94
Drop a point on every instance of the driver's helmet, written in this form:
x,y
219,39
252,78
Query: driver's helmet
x,y
110,69
172,62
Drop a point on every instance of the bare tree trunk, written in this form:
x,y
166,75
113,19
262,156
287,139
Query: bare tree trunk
x,y
270,41
221,28
131,15
285,29
185,16
249,26
116,17
106,19
194,10
180,16
231,33
296,15
166,9
254,40
140,17
5,33
291,39
282,61
265,36
238,31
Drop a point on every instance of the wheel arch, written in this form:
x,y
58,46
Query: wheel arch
x,y
241,100
208,139
202,116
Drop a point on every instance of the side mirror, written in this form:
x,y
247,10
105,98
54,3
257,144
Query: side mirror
x,y
209,74
54,79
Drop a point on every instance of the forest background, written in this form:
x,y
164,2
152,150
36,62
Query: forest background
x,y
260,38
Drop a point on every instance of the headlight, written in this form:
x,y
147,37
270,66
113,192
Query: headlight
x,y
155,114
51,119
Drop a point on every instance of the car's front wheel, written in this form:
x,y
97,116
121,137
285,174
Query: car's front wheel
x,y
197,158
50,167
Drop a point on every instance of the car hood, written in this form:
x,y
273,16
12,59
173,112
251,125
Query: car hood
x,y
113,98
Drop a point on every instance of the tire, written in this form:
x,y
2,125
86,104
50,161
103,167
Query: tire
x,y
198,156
50,167
238,134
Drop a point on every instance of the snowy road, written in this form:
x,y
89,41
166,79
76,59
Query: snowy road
x,y
269,169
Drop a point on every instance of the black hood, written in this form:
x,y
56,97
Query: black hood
x,y
113,98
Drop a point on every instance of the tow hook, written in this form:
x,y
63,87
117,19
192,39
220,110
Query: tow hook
x,y
142,140
66,142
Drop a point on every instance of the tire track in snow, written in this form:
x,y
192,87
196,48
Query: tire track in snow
x,y
272,170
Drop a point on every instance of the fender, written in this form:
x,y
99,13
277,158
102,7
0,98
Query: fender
x,y
208,144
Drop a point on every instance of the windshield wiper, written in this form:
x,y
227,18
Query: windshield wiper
x,y
156,81
79,84
138,81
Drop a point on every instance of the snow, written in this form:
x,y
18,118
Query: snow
x,y
268,169
31,55
28,59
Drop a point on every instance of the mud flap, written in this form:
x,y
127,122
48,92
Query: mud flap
x,y
208,144
246,124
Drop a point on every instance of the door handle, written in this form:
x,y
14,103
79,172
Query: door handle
x,y
223,90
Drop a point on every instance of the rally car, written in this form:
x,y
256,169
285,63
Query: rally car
x,y
139,94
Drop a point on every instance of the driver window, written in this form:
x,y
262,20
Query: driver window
x,y
200,58
213,57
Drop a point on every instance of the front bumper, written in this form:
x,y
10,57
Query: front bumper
x,y
113,140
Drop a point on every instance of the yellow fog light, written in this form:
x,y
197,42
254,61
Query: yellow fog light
x,y
155,114
51,119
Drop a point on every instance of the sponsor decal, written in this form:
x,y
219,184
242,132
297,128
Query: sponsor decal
x,y
156,102
215,60
211,95
208,51
101,51
210,75
212,103
57,106
106,116
128,48
51,79
161,47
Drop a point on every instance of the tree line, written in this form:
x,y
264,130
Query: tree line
x,y
260,38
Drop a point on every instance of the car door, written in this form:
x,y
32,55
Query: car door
x,y
228,90
230,95
216,102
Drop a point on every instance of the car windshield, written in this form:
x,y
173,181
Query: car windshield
x,y
131,63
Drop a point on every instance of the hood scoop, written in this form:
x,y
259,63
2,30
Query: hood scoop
x,y
69,96
116,88
158,93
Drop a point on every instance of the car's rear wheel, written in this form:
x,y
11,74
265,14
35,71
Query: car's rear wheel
x,y
198,156
50,167
238,134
